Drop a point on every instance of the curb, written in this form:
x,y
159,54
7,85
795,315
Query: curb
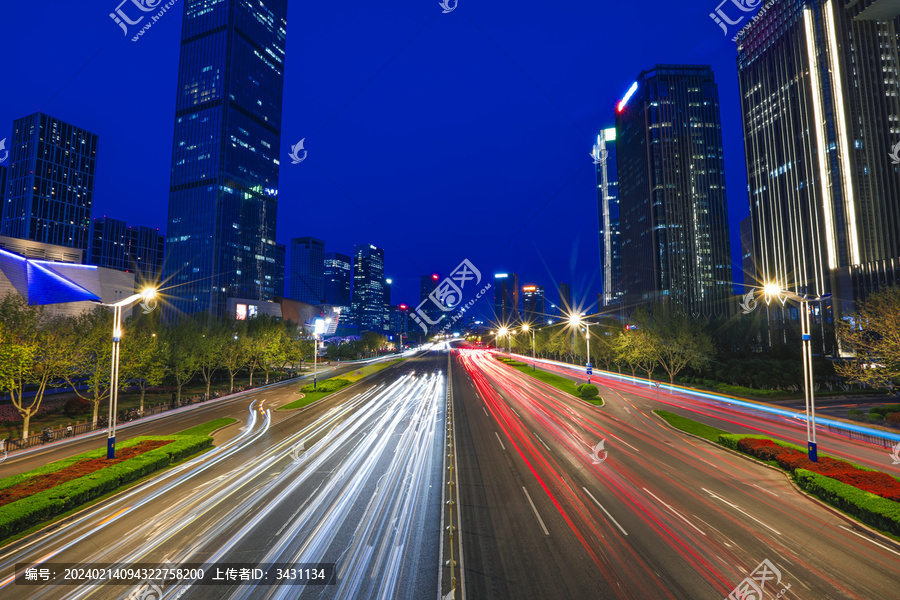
x,y
835,511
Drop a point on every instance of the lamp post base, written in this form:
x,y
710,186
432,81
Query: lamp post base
x,y
110,448
813,452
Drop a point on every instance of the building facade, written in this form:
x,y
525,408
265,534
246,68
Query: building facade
x,y
565,299
534,309
674,219
307,281
608,210
115,245
338,279
223,194
506,298
50,182
820,94
368,305
3,171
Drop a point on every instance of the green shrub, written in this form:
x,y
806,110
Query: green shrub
x,y
27,512
587,390
855,413
875,417
873,510
329,385
885,410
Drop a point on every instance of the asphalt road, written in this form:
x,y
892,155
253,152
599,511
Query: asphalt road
x,y
548,513
353,480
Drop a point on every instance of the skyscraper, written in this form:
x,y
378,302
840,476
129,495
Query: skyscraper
x,y
506,298
674,221
747,258
819,92
338,276
427,284
50,188
307,279
115,245
608,211
533,305
224,185
2,189
368,288
565,299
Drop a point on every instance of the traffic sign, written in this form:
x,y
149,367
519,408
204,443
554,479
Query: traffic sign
x,y
590,369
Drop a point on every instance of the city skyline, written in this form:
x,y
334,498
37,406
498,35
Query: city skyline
x,y
564,112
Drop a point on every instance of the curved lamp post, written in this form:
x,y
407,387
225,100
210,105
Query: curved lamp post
x,y
147,296
773,289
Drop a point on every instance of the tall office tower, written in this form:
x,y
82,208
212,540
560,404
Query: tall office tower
x,y
674,219
427,284
388,284
820,95
115,245
339,281
608,210
2,188
50,188
307,280
533,304
368,287
565,299
224,184
506,298
747,259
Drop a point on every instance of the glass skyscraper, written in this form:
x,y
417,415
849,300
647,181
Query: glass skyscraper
x,y
820,94
506,298
368,304
608,212
307,281
338,280
50,188
674,220
533,306
223,194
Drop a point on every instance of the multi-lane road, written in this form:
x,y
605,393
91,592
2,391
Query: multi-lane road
x,y
557,499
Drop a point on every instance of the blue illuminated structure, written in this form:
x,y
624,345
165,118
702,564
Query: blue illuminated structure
x,y
45,282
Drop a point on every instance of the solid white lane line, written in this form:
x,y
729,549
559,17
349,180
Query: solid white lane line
x,y
611,518
499,440
739,509
624,442
675,512
536,513
871,540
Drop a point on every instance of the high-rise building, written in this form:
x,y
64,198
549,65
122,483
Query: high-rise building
x,y
608,210
368,288
533,304
565,299
223,194
50,188
674,220
506,298
307,280
339,281
2,189
820,95
115,245
747,260
427,284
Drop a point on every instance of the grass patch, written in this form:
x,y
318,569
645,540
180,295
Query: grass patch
x,y
330,386
208,428
305,400
557,381
707,432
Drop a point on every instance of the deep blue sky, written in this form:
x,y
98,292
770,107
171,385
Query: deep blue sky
x,y
436,136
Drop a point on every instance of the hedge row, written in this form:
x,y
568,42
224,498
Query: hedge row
x,y
329,385
873,510
27,512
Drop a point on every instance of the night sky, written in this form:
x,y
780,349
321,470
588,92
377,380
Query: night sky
x,y
436,136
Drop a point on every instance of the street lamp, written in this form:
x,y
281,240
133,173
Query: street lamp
x,y
319,328
576,321
500,333
773,289
526,327
147,296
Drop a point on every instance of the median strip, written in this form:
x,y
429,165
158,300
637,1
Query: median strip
x,y
585,392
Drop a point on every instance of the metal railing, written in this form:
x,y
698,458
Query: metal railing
x,y
864,437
